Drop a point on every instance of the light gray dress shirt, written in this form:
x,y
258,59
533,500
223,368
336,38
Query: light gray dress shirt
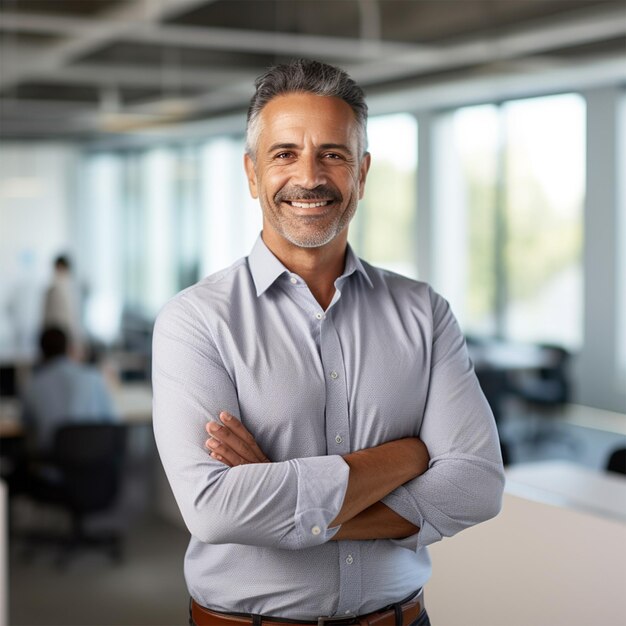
x,y
386,360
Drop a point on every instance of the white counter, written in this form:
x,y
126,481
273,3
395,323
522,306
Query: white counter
x,y
555,556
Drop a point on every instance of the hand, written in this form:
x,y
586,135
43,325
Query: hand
x,y
231,443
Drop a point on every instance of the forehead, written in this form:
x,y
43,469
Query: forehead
x,y
296,117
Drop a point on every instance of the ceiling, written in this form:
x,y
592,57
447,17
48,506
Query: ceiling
x,y
78,69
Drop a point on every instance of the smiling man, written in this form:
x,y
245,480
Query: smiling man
x,y
346,428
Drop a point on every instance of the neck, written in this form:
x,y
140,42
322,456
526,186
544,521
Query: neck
x,y
318,267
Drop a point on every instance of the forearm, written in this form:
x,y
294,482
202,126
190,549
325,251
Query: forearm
x,y
376,472
376,522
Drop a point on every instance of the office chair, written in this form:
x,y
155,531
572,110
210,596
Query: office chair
x,y
545,391
82,477
617,461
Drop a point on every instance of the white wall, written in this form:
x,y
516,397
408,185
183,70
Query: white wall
x,y
36,192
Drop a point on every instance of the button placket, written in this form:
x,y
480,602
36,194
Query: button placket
x,y
349,576
338,442
337,418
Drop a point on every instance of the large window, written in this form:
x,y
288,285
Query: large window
x,y
509,189
231,218
383,230
157,220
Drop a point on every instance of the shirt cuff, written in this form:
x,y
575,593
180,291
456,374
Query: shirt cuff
x,y
322,484
401,501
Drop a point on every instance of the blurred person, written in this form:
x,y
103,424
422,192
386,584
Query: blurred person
x,y
62,305
62,390
347,430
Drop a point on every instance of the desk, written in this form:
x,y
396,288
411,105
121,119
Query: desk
x,y
568,485
591,417
508,357
133,402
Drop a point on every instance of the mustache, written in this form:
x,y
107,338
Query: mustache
x,y
321,192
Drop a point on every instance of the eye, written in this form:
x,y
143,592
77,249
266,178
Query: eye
x,y
332,155
283,155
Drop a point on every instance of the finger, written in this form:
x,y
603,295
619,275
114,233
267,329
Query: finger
x,y
230,440
218,457
233,434
235,426
224,454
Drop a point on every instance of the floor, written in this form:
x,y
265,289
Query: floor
x,y
148,589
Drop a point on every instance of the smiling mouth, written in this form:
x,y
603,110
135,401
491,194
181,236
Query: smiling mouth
x,y
299,204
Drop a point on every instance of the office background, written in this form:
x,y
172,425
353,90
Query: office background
x,y
514,110
497,132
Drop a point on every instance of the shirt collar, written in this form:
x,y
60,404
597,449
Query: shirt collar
x,y
266,268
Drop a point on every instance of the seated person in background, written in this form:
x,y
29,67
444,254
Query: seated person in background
x,y
62,390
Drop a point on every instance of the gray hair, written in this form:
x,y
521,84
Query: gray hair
x,y
305,76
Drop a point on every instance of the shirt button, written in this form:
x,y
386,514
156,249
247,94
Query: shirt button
x,y
349,559
316,530
320,316
293,280
334,374
338,439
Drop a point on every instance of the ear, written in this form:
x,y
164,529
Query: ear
x,y
250,175
364,167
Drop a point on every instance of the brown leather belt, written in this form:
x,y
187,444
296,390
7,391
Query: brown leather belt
x,y
401,614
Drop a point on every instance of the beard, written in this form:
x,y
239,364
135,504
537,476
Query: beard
x,y
309,231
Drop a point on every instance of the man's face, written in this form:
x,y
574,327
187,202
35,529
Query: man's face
x,y
308,174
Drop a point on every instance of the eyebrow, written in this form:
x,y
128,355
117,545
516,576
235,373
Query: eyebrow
x,y
324,146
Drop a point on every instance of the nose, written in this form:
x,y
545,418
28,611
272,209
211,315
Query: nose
x,y
309,172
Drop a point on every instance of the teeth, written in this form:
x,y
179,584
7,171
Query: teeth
x,y
309,205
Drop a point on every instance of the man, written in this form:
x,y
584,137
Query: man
x,y
61,305
347,430
62,390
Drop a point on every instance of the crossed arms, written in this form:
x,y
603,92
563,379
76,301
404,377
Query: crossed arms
x,y
305,497
374,473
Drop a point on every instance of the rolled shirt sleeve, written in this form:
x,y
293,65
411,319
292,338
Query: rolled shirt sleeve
x,y
464,483
288,504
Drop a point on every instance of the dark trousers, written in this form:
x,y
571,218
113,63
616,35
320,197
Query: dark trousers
x,y
422,620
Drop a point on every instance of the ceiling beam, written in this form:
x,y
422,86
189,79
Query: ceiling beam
x,y
138,21
95,33
166,77
101,31
538,38
384,60
530,41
